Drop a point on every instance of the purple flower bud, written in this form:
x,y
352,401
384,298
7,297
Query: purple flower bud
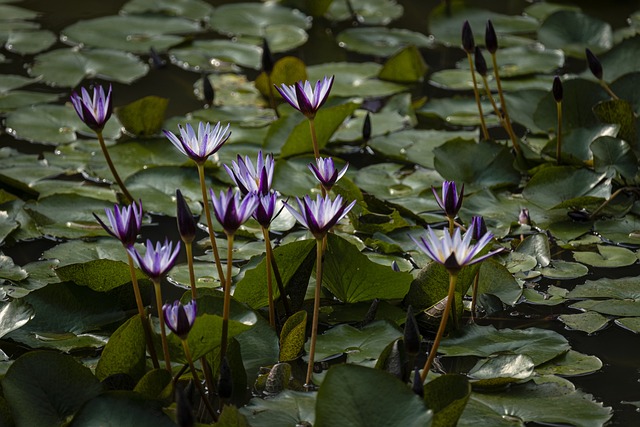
x,y
395,267
523,217
231,211
208,93
468,43
480,63
326,173
490,38
478,227
594,64
366,128
557,89
266,209
267,58
417,387
125,223
180,318
304,98
96,111
186,221
450,202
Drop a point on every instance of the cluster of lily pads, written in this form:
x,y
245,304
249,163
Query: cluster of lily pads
x,y
344,298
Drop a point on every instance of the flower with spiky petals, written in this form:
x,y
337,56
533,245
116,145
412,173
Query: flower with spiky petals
x,y
305,98
454,252
125,223
94,112
187,224
231,211
451,201
266,209
321,214
180,317
478,227
158,260
249,178
198,147
325,171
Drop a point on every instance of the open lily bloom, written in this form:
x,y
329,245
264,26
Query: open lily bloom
x,y
158,260
180,317
124,223
321,214
454,252
451,201
325,171
93,111
198,147
266,209
231,211
305,98
249,178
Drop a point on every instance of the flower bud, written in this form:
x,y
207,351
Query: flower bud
x,y
186,221
208,93
478,227
366,128
480,63
411,335
524,218
417,386
490,38
225,381
468,43
557,89
594,64
267,58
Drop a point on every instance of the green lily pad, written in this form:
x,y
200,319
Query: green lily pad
x,y
501,369
622,288
15,13
455,79
210,55
191,9
629,323
588,322
13,315
541,11
130,33
405,66
381,41
446,396
287,408
553,296
61,387
564,270
281,37
354,79
624,86
368,397
522,60
496,280
621,59
292,336
620,112
612,307
458,111
620,230
474,340
254,18
570,363
370,12
607,257
573,31
30,42
125,353
143,117
14,99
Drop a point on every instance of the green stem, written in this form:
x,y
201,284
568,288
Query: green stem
x,y
308,385
314,137
474,294
607,88
163,330
196,380
485,132
112,168
227,299
272,310
503,105
606,202
276,273
452,223
212,234
143,315
192,275
559,132
453,276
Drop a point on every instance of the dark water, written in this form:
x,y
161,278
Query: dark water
x,y
618,349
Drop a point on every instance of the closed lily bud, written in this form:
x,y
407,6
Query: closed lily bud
x,y
468,44
411,335
557,89
267,58
417,386
594,64
478,227
156,61
490,38
208,92
524,218
225,381
480,63
366,128
186,221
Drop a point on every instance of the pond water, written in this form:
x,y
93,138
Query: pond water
x,y
618,348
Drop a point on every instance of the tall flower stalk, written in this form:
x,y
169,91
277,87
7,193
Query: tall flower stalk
x,y
454,252
308,100
557,92
199,147
318,216
95,112
231,212
156,263
468,45
595,66
451,201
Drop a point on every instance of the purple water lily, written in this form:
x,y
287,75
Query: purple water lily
x,y
266,209
158,260
325,171
180,317
249,178
305,98
231,210
478,227
451,201
198,147
187,224
321,214
124,223
93,111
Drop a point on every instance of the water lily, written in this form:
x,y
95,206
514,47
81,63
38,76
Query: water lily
x,y
124,223
478,227
321,214
249,178
158,259
93,111
231,210
451,200
199,147
304,98
179,317
326,173
266,208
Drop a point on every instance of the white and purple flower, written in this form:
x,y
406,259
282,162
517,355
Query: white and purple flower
x,y
249,178
304,98
231,210
124,223
158,260
199,147
325,171
180,317
321,214
93,111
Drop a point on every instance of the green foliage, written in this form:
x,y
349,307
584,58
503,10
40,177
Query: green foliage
x,y
125,353
143,117
293,336
447,396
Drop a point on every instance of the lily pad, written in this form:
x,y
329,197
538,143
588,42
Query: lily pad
x,y
191,9
569,364
381,41
287,408
621,60
523,60
354,79
501,369
29,42
588,322
630,323
564,270
607,257
254,18
370,12
573,31
210,55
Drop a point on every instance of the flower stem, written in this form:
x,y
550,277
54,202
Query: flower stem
x,y
212,234
276,273
112,168
503,105
227,299
485,132
272,309
308,385
143,315
163,330
474,294
559,132
607,88
196,380
192,276
314,137
453,277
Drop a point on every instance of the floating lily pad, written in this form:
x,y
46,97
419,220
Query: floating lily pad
x,y
370,12
621,230
569,364
211,55
354,79
13,315
625,308
496,280
541,11
281,37
254,18
30,42
130,33
405,66
191,9
573,31
523,60
380,41
501,369
607,257
621,59
287,408
630,323
588,322
15,13
564,270
21,98
456,79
